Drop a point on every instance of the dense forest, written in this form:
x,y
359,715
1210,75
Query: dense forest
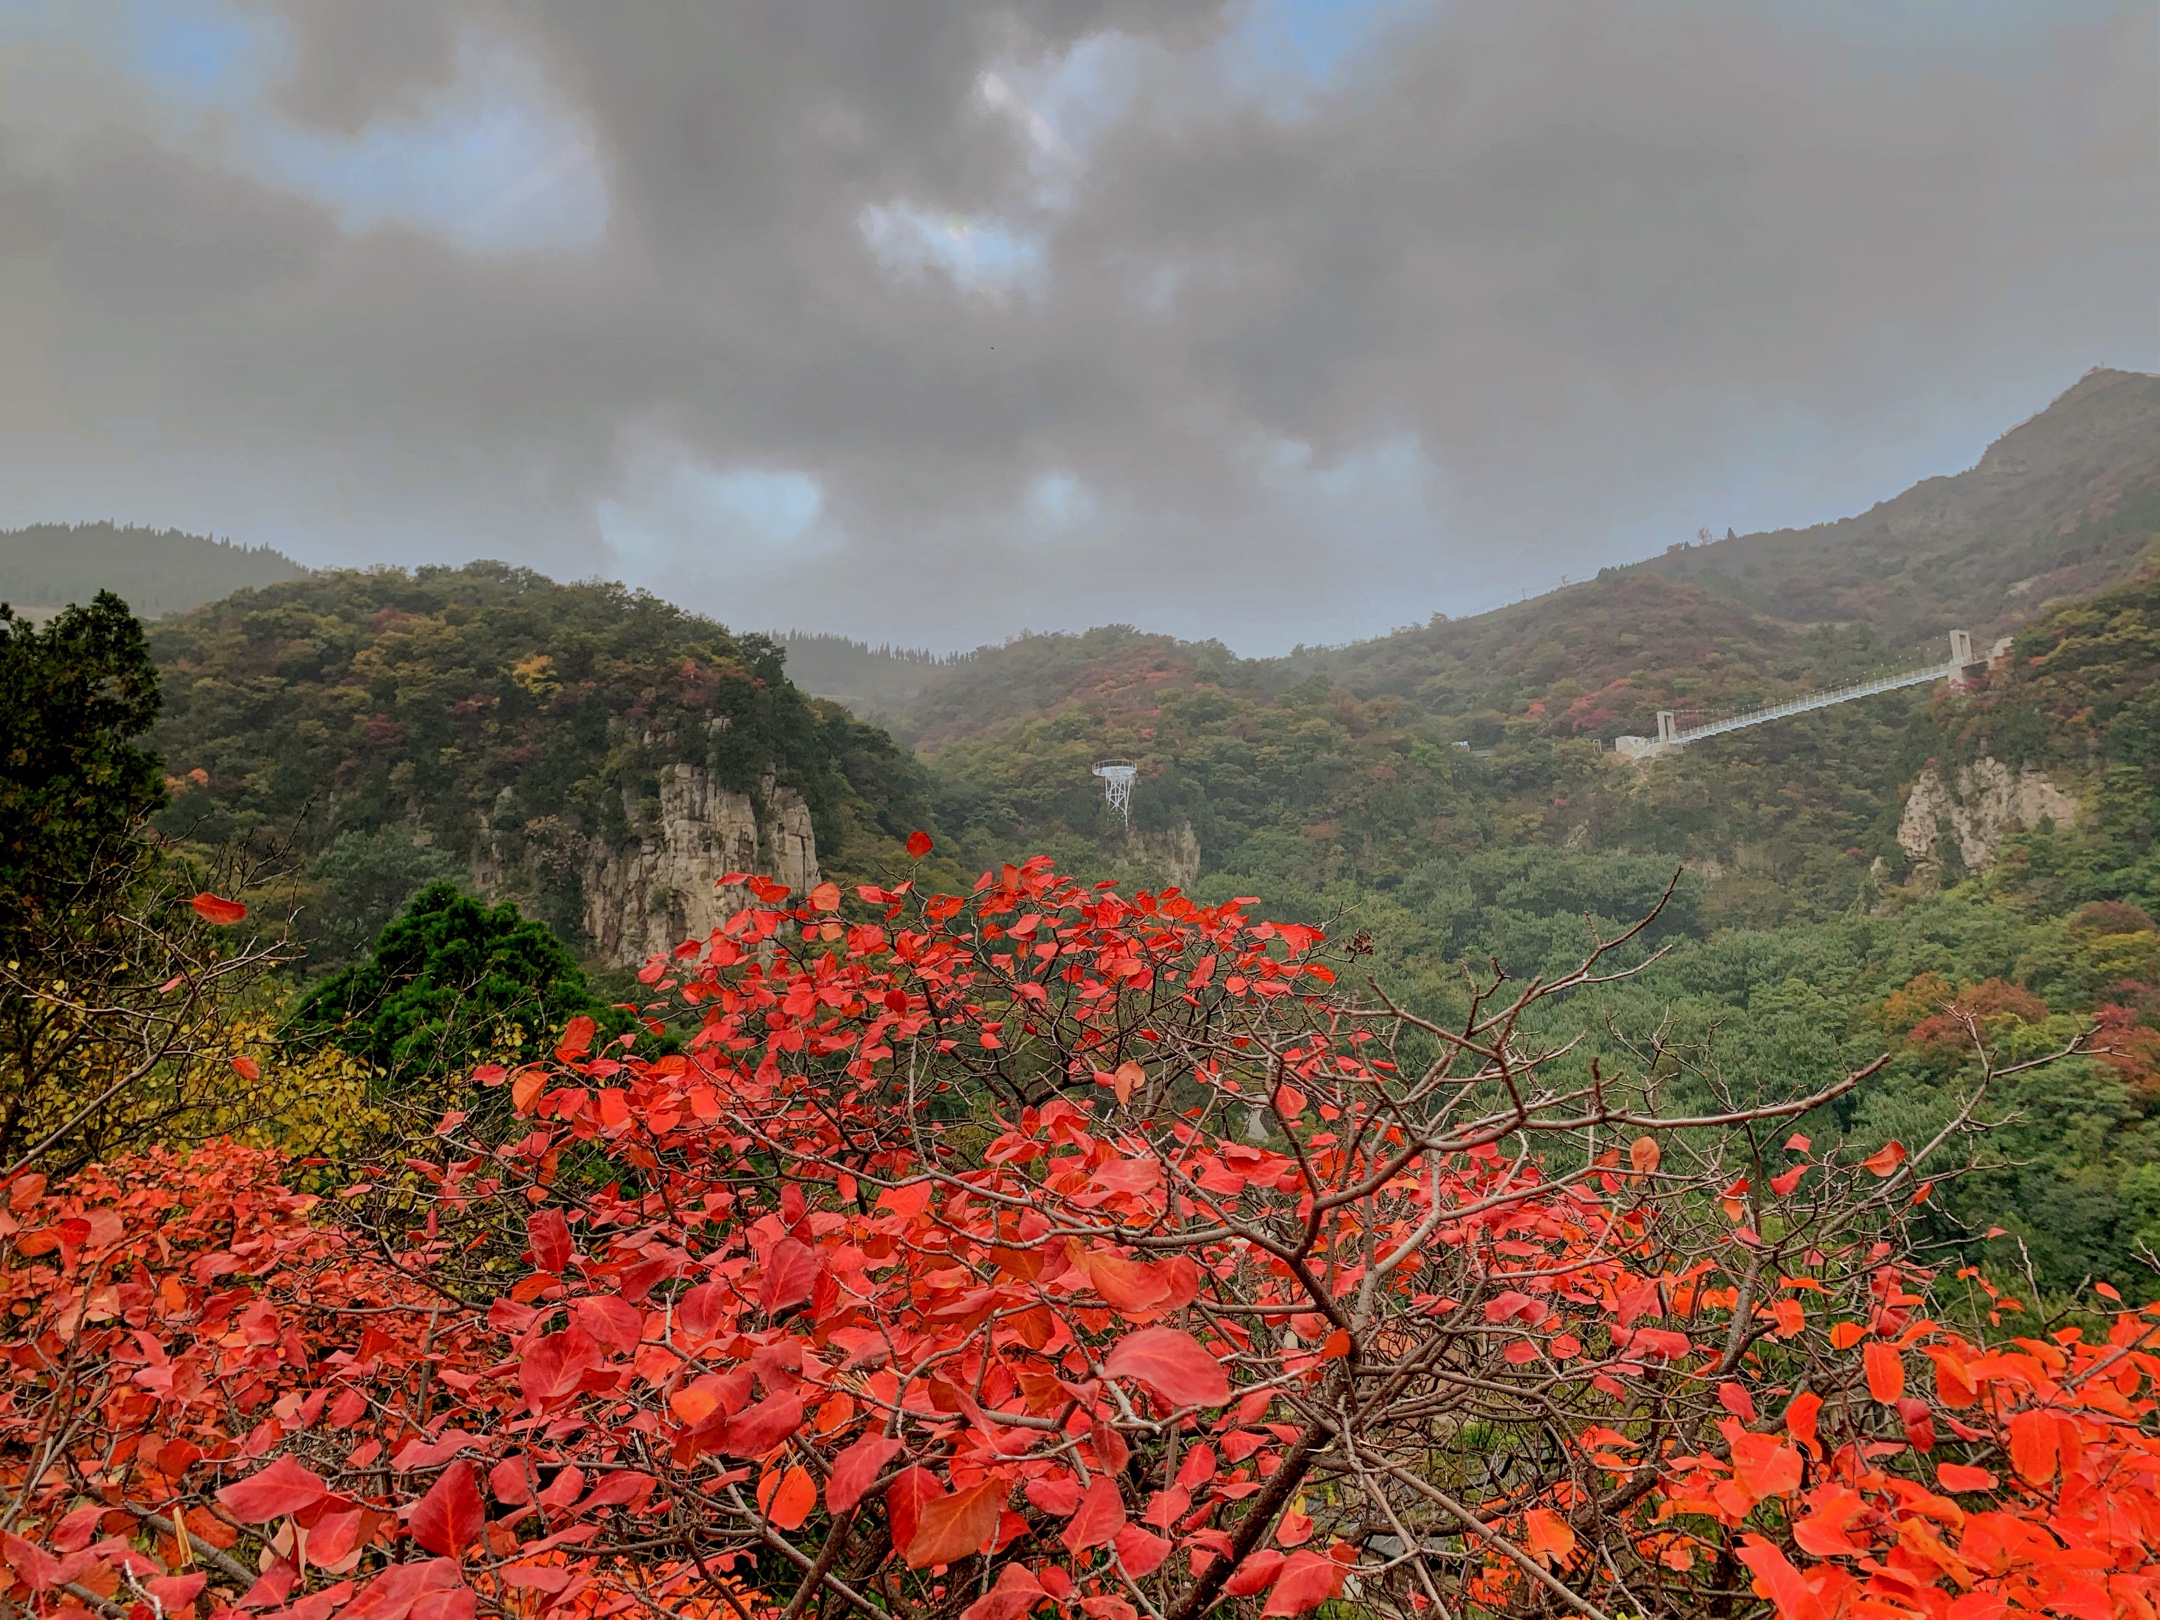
x,y
155,571
486,723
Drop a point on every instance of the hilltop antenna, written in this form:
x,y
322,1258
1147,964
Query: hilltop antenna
x,y
1117,780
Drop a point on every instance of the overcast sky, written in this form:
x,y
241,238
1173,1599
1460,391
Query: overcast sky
x,y
929,320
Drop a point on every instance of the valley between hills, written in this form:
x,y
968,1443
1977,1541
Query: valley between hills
x,y
1867,879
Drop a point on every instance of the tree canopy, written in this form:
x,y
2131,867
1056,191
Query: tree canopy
x,y
450,981
75,788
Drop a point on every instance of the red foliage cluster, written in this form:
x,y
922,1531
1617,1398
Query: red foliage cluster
x,y
1046,1250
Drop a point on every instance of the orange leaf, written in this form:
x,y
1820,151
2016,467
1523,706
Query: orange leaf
x,y
1800,1417
1885,1160
1547,1537
1885,1372
526,1089
216,909
1959,1477
951,1528
1172,1364
786,1497
693,1406
825,897
1776,1579
2032,1446
1844,1335
1643,1155
247,1068
1128,1076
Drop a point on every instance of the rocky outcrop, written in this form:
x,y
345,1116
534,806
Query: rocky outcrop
x,y
1175,853
650,894
1987,803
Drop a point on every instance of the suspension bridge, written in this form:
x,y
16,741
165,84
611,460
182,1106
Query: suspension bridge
x,y
1672,735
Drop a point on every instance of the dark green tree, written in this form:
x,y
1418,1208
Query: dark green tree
x,y
451,983
75,791
364,880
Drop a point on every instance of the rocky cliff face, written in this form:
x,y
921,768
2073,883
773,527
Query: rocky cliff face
x,y
652,893
1986,803
1174,853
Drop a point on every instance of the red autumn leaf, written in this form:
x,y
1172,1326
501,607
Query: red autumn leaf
x,y
1919,1421
247,1069
791,1274
2033,1446
284,1487
1133,1288
950,1528
1800,1416
1308,1579
1173,1364
176,1592
918,844
1547,1537
1764,1467
1960,1477
549,1235
1141,1552
38,1568
334,1536
1794,1598
1827,1531
1885,1371
447,1519
905,1499
1885,1160
1100,1516
1017,1591
552,1370
825,897
757,1429
856,1469
577,1039
1256,1574
218,910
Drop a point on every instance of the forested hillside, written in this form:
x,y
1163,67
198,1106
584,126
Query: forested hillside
x,y
1844,884
155,571
541,741
2061,505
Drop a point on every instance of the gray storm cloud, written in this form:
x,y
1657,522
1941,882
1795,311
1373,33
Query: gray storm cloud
x,y
931,321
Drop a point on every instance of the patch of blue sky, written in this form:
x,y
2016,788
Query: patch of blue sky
x,y
678,512
201,52
1062,103
1289,53
1056,505
493,165
978,254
